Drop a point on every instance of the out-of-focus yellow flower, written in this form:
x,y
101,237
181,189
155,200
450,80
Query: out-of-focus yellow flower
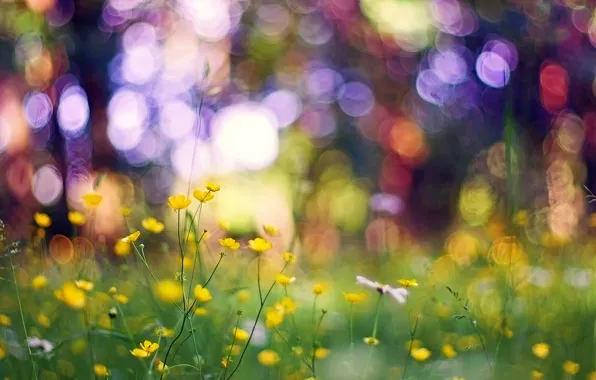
x,y
321,353
164,332
201,312
132,237
39,282
229,243
297,350
570,367
42,219
233,350
286,306
458,378
541,350
100,370
318,289
161,367
537,375
225,362
125,211
521,218
203,196
289,257
371,341
259,245
420,354
112,290
92,200
271,230
169,291
592,375
149,346
43,320
240,335
178,202
152,225
76,218
282,279
71,295
243,296
224,225
139,353
449,351
213,187
85,285
273,318
268,358
202,294
354,297
122,248
412,283
121,298
5,320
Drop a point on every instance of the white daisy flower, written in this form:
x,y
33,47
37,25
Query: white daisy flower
x,y
400,294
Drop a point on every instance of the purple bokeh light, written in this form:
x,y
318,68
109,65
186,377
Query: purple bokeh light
x,y
492,69
38,109
355,99
73,111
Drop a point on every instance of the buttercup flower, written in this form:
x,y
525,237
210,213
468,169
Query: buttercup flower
x,y
224,225
212,187
125,211
161,367
286,305
85,285
132,237
149,346
201,312
284,280
203,196
259,245
321,353
42,219
536,375
273,317
271,230
92,200
354,297
371,341
240,335
76,218
570,367
164,332
229,243
268,358
243,296
152,225
178,202
318,289
100,370
408,283
71,295
169,291
5,320
420,354
289,257
541,350
121,298
43,320
400,294
140,353
449,351
202,294
39,282
122,248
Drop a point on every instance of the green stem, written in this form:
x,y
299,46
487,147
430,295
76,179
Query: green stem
x,y
259,277
412,334
374,334
350,317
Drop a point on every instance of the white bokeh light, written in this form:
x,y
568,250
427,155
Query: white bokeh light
x,y
47,185
176,119
140,64
124,139
245,136
210,18
127,109
285,105
73,111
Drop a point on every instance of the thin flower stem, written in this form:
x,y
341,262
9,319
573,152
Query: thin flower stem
x,y
231,348
314,348
150,370
128,330
290,347
314,334
411,345
14,278
259,277
88,331
181,266
374,334
350,317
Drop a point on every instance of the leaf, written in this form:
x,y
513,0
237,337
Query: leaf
x,y
459,316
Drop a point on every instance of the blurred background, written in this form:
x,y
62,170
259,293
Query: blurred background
x,y
398,118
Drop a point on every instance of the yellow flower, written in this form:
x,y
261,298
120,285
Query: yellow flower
x,y
297,350
77,218
286,306
213,187
371,341
161,367
321,353
541,350
5,320
43,320
354,297
164,332
152,225
318,289
537,375
39,282
72,296
408,283
271,230
521,218
282,279
273,318
570,367
225,361
259,245
268,358
112,291
458,378
420,354
229,243
125,211
202,294
203,196
240,335
169,291
139,353
289,257
243,296
201,312
132,237
42,219
449,351
224,225
122,248
121,298
85,285
149,346
178,202
100,370
233,350
92,200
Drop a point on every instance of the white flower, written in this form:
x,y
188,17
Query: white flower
x,y
41,344
400,294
